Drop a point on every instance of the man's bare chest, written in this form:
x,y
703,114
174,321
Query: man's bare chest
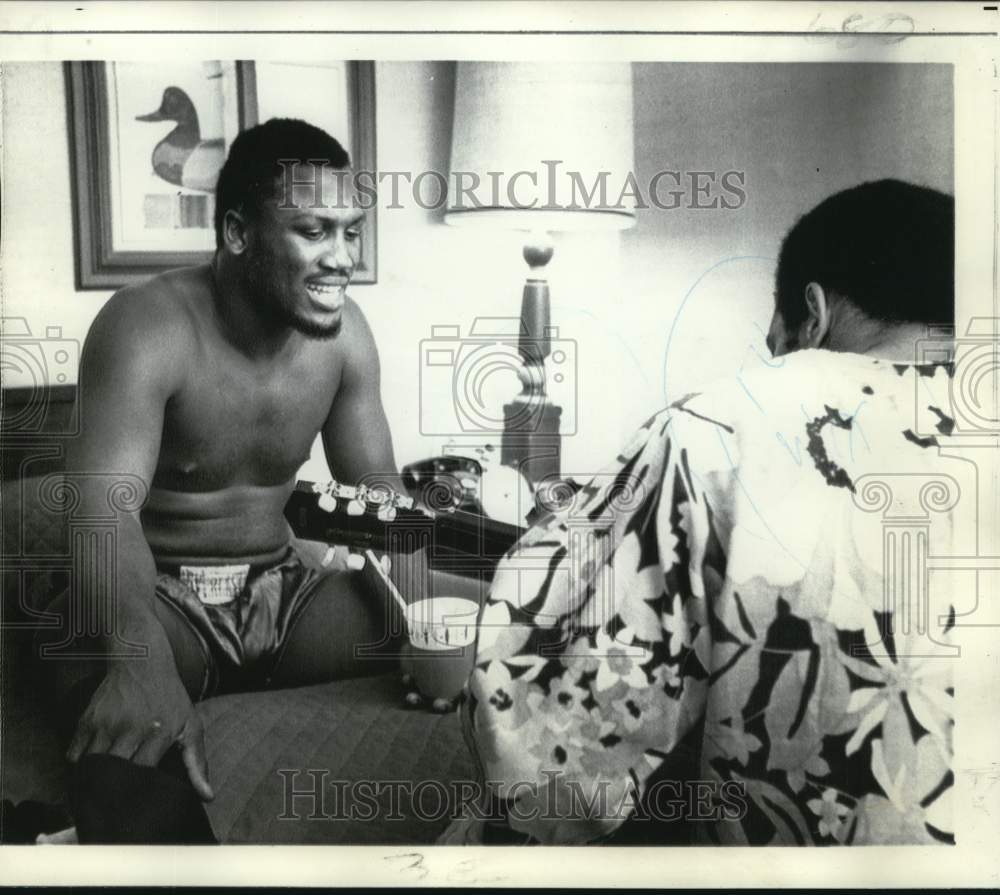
x,y
235,426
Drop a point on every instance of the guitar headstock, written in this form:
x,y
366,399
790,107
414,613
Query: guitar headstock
x,y
322,511
379,500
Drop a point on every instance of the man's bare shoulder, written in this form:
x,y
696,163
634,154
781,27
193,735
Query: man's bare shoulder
x,y
156,314
357,334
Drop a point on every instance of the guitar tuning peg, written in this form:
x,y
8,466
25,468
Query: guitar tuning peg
x,y
386,513
356,561
355,508
329,556
327,502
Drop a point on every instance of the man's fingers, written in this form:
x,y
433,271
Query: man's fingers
x,y
152,748
125,746
100,743
81,740
193,753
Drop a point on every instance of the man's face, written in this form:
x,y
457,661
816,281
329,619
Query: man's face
x,y
303,247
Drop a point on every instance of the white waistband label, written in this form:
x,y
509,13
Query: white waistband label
x,y
215,585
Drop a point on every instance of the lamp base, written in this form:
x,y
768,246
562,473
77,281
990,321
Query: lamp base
x,y
531,441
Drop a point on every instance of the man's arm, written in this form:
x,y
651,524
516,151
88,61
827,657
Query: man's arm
x,y
127,373
358,442
121,397
356,436
575,701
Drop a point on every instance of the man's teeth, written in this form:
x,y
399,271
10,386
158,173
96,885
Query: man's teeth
x,y
323,290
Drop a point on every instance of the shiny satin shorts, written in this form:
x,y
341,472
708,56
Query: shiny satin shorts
x,y
242,614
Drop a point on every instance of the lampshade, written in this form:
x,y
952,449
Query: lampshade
x,y
542,146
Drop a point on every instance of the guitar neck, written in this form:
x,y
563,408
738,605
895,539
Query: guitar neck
x,y
457,540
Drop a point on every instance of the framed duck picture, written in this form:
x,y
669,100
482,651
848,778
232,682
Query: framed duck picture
x,y
148,139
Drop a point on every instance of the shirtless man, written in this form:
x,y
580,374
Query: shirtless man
x,y
210,384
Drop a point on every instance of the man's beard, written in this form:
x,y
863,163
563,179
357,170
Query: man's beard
x,y
310,328
272,304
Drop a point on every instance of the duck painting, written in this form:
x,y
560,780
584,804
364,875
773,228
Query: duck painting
x,y
182,157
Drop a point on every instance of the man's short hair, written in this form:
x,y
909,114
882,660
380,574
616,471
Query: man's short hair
x,y
886,246
251,172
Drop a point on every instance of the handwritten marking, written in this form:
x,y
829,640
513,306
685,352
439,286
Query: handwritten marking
x,y
887,29
418,867
419,871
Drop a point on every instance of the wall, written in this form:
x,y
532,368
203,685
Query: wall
x,y
698,281
799,132
38,278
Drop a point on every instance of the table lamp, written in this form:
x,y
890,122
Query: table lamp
x,y
549,147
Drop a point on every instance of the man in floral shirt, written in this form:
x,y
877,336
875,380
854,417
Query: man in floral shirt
x,y
726,627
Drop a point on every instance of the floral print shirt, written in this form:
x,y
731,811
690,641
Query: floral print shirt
x,y
728,626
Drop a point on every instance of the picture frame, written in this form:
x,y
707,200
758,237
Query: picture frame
x,y
143,205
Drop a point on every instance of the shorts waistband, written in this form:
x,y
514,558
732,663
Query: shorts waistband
x,y
167,567
218,585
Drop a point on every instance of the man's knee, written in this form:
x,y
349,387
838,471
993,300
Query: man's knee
x,y
115,801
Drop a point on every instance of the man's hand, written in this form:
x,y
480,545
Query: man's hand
x,y
138,713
